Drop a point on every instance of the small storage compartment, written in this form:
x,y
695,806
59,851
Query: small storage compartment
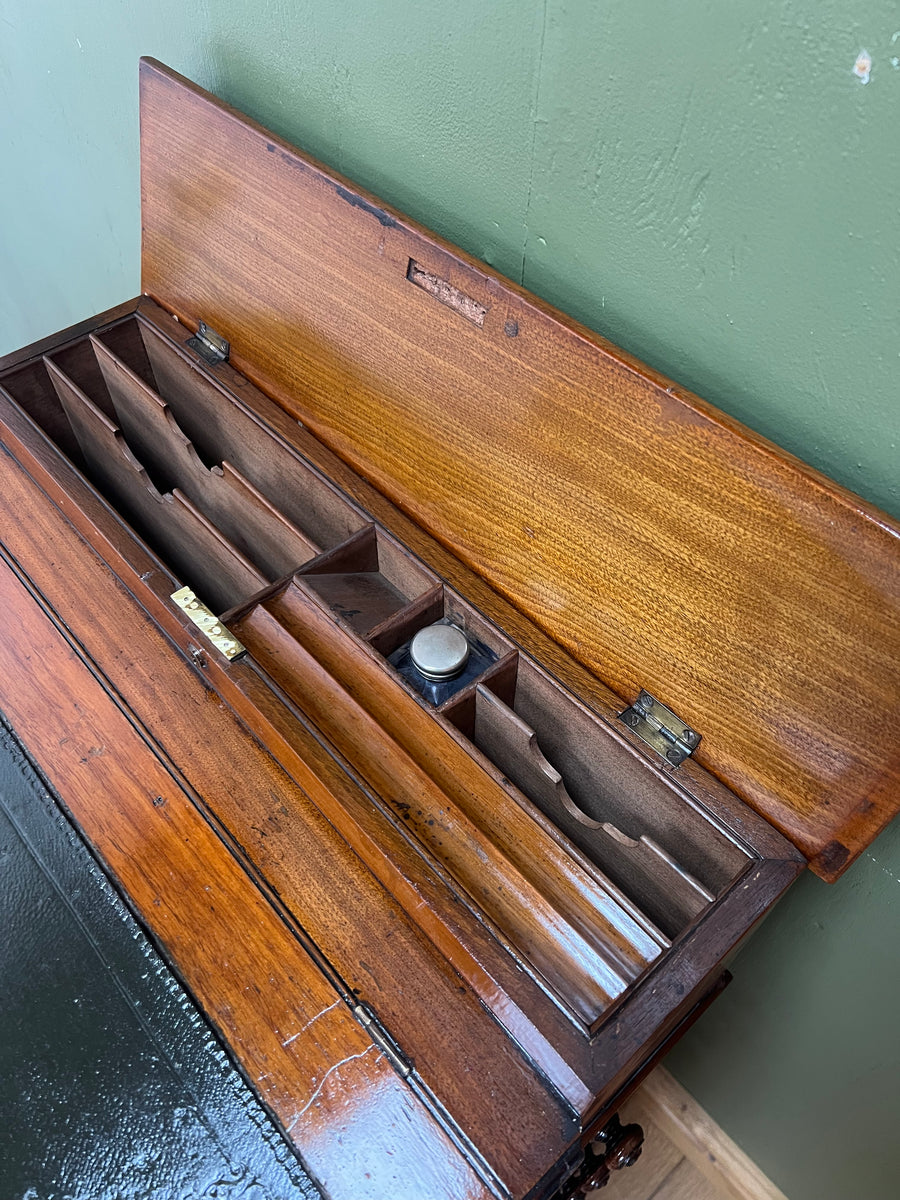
x,y
585,862
645,835
367,580
222,501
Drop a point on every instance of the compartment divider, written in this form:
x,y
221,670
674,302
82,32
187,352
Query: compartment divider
x,y
196,549
285,547
603,784
254,525
221,428
145,418
366,580
79,362
663,889
358,552
240,610
500,678
400,626
32,389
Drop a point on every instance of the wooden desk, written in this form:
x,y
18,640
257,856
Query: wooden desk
x,y
442,942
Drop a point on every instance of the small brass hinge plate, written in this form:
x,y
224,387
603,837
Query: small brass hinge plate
x,y
208,623
660,728
211,346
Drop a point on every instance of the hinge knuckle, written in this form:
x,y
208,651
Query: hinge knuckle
x,y
211,346
382,1039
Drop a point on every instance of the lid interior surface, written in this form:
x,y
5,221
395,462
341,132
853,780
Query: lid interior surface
x,y
664,545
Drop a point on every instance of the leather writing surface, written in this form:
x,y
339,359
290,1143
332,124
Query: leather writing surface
x,y
659,541
94,1020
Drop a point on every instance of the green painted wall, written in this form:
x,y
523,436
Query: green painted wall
x,y
708,184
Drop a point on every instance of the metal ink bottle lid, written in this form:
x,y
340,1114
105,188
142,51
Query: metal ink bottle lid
x,y
439,651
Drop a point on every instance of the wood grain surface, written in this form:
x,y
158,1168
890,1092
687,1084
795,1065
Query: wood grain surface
x,y
482,1034
587,1072
460,1054
660,542
359,1128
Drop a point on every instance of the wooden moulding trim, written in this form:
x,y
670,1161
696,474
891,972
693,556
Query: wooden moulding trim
x,y
753,596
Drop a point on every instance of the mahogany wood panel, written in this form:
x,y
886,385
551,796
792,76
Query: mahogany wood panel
x,y
690,779
460,1053
640,1025
360,1130
664,545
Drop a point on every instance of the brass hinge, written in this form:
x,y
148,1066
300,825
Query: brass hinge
x,y
211,346
208,623
660,728
382,1039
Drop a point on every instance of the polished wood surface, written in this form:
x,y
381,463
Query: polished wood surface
x,y
460,1053
662,544
366,881
494,832
360,1130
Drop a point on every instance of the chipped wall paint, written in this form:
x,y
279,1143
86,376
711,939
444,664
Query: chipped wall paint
x,y
712,186
862,68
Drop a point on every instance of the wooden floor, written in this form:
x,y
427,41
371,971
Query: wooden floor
x,y
662,1172
686,1156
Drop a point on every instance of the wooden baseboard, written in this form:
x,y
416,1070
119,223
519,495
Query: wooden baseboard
x,y
720,1160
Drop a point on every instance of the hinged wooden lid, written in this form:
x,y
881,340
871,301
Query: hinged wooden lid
x,y
663,544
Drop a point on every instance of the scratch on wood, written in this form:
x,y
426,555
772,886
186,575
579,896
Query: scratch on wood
x,y
331,1070
312,1021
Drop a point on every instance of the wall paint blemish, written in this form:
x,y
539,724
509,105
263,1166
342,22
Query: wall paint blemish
x,y
535,120
862,68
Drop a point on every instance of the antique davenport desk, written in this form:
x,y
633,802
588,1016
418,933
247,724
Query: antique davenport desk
x,y
447,693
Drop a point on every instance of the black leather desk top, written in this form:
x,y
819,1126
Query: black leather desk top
x,y
112,1087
